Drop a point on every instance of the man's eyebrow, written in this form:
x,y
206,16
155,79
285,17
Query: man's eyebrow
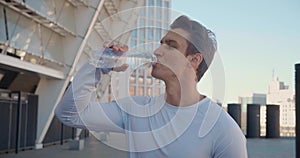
x,y
168,41
171,41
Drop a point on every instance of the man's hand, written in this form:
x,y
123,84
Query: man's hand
x,y
117,47
120,68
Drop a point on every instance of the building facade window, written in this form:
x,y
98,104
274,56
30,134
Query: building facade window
x,y
157,34
142,12
142,34
134,33
133,43
158,13
150,34
158,3
150,12
166,4
166,15
140,91
150,23
149,91
142,22
132,90
150,2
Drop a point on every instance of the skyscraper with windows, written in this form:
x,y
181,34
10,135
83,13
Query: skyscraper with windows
x,y
282,95
152,24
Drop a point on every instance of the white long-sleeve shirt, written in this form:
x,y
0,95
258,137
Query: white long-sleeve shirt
x,y
153,128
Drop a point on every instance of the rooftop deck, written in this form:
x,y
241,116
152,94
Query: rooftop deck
x,y
257,148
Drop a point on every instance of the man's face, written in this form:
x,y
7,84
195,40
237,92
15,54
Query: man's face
x,y
171,55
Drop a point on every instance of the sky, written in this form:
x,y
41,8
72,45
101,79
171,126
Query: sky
x,y
254,38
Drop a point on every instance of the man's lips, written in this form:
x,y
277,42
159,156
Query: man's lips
x,y
156,63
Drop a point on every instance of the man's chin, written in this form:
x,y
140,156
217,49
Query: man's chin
x,y
156,76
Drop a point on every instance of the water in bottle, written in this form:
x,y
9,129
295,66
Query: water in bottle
x,y
107,58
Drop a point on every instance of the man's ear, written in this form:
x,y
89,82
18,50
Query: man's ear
x,y
195,60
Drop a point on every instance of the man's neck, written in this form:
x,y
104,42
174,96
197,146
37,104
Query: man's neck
x,y
182,93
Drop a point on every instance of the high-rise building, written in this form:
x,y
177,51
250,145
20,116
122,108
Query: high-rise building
x,y
152,24
282,95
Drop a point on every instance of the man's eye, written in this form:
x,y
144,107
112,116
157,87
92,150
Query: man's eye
x,y
170,46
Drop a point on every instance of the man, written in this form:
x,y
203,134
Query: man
x,y
180,123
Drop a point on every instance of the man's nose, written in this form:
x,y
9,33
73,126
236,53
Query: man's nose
x,y
158,51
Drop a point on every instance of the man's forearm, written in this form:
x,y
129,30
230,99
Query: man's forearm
x,y
78,95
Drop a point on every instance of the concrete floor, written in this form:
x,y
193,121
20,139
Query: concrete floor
x,y
257,148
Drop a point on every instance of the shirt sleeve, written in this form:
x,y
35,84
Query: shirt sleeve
x,y
234,149
77,108
230,142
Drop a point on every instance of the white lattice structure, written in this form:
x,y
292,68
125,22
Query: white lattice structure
x,y
50,39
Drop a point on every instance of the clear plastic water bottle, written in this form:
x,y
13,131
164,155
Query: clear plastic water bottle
x,y
107,58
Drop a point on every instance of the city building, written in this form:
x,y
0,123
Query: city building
x,y
253,98
152,24
280,94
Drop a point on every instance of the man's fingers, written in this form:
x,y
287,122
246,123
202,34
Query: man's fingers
x,y
121,68
117,47
124,48
108,44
